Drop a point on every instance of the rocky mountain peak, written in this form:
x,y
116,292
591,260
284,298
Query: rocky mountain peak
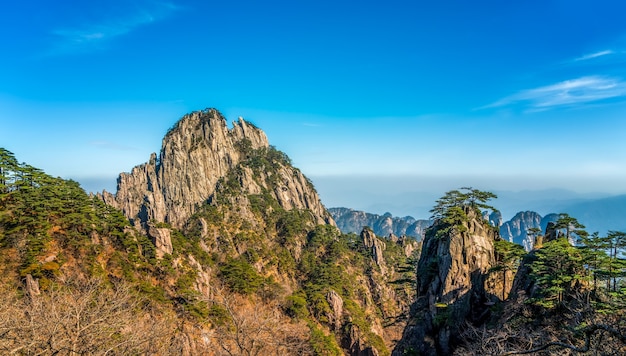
x,y
196,153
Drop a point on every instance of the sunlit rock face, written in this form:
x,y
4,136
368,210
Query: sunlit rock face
x,y
454,285
196,153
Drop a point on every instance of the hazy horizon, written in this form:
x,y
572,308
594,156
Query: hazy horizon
x,y
414,196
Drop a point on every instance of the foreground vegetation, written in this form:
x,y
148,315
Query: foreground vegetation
x,y
248,277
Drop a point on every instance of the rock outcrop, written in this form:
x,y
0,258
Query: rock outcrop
x,y
336,305
355,344
454,285
31,287
162,240
376,246
196,153
353,221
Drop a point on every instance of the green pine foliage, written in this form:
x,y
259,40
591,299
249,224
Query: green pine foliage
x,y
251,246
508,255
277,242
558,272
47,221
563,271
451,210
241,277
323,344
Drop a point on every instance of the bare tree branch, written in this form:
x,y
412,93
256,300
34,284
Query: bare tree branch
x,y
588,333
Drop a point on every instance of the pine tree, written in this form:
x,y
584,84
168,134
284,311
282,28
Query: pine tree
x,y
451,209
571,226
594,255
616,241
558,271
508,258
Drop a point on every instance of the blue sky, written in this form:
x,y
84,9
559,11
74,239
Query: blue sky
x,y
401,96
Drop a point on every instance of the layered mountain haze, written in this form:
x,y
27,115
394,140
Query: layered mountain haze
x,y
600,215
517,229
405,178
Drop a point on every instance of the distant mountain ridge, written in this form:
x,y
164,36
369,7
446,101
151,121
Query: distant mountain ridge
x,y
516,229
353,221
601,215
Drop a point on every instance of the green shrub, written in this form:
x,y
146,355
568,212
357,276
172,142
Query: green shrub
x,y
240,276
323,344
296,306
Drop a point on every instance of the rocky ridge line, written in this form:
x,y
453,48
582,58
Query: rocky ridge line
x,y
353,221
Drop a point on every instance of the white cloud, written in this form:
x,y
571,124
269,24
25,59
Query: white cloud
x,y
92,36
566,93
594,55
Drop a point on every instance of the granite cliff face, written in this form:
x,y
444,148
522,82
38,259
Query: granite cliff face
x,y
353,221
454,285
516,229
196,153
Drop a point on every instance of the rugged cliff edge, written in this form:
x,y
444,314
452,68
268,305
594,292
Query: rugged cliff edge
x,y
196,153
453,284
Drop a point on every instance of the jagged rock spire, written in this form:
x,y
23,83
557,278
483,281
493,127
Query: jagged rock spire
x,y
196,152
454,285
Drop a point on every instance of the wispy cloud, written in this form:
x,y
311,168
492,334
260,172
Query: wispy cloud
x,y
594,55
94,35
566,93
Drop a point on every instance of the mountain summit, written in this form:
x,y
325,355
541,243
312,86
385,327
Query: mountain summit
x,y
196,153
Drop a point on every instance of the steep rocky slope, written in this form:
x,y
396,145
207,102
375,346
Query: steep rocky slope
x,y
198,151
353,221
229,210
252,263
454,284
557,305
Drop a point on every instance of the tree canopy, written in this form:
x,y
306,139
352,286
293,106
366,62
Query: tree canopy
x,y
462,197
451,210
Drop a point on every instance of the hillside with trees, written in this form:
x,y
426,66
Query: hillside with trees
x,y
253,264
250,271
